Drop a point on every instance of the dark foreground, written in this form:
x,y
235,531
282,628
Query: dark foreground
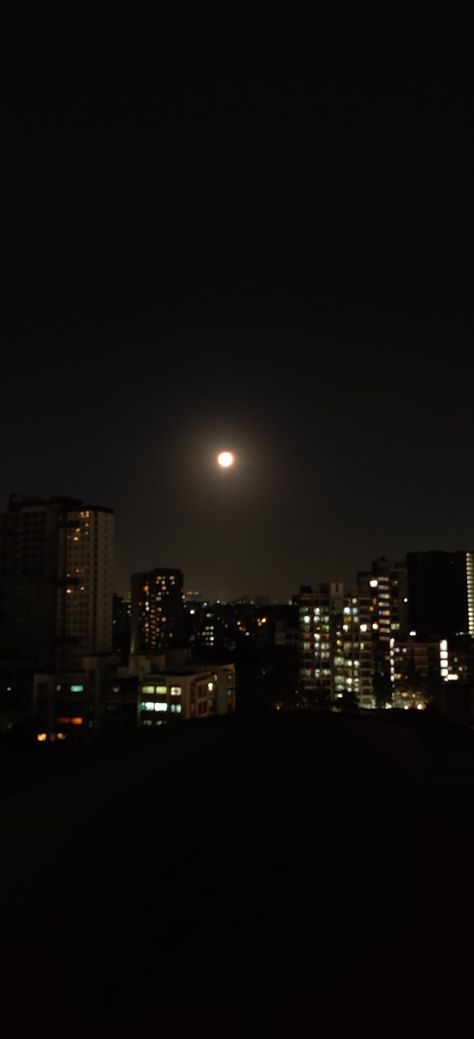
x,y
299,875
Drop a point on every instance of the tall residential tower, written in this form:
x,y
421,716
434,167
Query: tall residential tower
x,y
55,582
157,609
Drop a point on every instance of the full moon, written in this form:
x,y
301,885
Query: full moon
x,y
225,459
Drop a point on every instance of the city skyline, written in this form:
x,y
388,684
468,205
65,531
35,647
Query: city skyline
x,y
276,265
252,590
236,521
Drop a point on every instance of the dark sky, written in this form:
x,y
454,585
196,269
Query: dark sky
x,y
262,248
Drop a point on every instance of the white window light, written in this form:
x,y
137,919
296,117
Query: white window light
x,y
374,584
412,634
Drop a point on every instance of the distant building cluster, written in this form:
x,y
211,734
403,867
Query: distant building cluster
x,y
75,658
398,640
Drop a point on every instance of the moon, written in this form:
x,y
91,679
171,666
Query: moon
x,y
225,459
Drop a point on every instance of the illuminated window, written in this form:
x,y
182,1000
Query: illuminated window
x,y
160,689
77,689
176,708
175,690
148,689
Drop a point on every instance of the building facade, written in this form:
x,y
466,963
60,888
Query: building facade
x,y
56,561
329,646
157,610
187,693
383,614
85,597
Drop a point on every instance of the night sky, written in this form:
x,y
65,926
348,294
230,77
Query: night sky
x,y
270,253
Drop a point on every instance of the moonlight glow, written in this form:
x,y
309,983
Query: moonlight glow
x,y
225,459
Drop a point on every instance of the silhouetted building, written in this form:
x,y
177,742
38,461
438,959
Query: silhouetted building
x,y
285,625
71,702
122,627
157,609
415,670
441,594
216,628
55,582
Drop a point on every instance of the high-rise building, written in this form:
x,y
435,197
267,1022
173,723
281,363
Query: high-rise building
x,y
329,645
385,588
55,582
441,594
157,609
383,617
84,608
